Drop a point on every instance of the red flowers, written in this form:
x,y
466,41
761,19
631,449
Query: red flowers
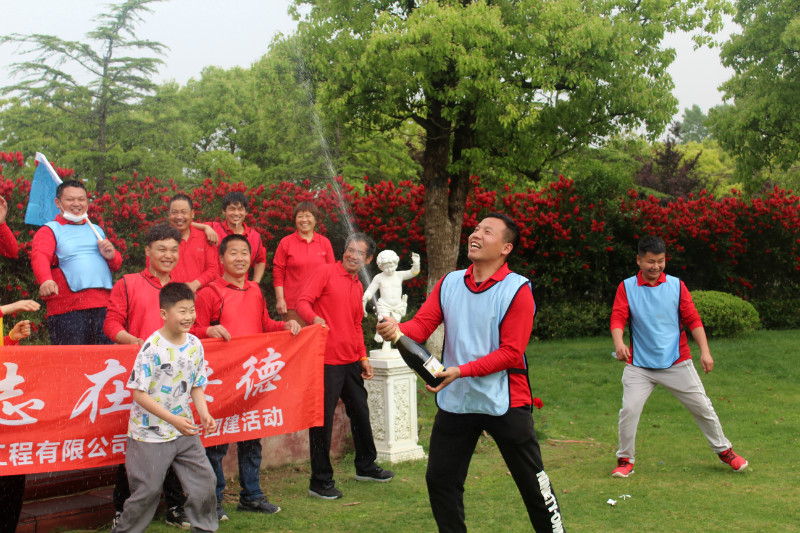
x,y
566,238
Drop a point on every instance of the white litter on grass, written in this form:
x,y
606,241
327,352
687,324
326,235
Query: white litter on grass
x,y
625,496
611,502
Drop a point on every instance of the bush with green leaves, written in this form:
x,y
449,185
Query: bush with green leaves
x,y
725,315
779,313
566,320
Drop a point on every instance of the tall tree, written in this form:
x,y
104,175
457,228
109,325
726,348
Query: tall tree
x,y
693,126
97,111
499,88
761,126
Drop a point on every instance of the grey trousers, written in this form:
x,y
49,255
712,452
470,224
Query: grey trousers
x,y
684,383
147,464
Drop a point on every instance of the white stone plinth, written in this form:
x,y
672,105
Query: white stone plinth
x,y
393,407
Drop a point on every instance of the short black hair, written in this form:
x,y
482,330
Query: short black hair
x,y
172,293
181,196
361,237
162,232
653,244
235,197
69,183
223,245
306,205
512,230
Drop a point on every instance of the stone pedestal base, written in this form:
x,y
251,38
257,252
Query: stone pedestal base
x,y
393,407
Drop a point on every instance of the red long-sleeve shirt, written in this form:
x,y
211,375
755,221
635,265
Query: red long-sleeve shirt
x,y
197,260
515,332
44,263
8,243
133,306
686,309
335,295
242,311
295,259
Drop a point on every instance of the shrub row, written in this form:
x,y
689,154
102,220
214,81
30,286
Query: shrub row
x,y
576,249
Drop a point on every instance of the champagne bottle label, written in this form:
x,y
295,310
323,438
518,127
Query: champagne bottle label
x,y
433,365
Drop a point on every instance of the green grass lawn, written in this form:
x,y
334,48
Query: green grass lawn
x,y
679,484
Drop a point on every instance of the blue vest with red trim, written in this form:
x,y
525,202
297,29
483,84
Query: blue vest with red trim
x,y
78,256
472,323
654,322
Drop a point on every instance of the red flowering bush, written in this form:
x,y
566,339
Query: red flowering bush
x,y
575,249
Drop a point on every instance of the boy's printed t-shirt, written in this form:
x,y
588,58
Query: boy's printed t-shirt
x,y
167,372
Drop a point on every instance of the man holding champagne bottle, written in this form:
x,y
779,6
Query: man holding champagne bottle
x,y
332,297
487,311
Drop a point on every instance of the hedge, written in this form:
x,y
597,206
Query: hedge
x,y
576,249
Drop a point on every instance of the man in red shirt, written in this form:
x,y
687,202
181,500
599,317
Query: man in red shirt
x,y
133,315
332,297
654,304
73,269
232,306
198,263
488,313
234,209
133,309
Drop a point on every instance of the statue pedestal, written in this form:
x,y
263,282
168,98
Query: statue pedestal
x,y
393,407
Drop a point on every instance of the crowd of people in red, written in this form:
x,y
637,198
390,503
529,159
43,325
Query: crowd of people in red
x,y
221,262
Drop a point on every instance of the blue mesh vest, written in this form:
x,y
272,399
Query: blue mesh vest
x,y
78,256
654,322
472,329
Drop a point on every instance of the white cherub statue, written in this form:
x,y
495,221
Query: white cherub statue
x,y
392,302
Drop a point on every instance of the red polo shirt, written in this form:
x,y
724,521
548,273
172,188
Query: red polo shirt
x,y
197,260
515,332
133,306
8,243
44,263
335,295
687,312
295,259
258,254
242,311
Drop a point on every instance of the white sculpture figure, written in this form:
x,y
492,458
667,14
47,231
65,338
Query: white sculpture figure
x,y
392,302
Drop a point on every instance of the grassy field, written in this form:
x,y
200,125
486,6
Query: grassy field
x,y
679,484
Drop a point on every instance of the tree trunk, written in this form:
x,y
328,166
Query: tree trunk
x,y
445,202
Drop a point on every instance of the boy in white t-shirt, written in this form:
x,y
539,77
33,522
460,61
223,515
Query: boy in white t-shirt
x,y
169,372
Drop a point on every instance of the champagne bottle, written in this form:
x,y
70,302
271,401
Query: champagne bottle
x,y
418,359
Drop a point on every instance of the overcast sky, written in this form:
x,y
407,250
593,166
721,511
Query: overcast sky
x,y
237,32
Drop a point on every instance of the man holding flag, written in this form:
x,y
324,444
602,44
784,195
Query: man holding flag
x,y
72,262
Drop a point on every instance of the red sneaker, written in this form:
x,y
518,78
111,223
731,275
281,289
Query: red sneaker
x,y
624,468
737,462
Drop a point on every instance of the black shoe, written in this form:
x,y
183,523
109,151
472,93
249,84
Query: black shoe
x,y
177,517
379,474
222,516
260,505
326,493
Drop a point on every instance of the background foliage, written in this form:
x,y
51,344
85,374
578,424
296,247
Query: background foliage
x,y
575,248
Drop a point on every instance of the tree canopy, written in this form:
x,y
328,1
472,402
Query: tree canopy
x,y
88,120
693,126
498,88
761,125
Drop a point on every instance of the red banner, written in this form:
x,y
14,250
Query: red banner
x,y
67,407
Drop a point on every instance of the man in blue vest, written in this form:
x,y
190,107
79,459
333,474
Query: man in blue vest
x,y
72,265
487,311
654,305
